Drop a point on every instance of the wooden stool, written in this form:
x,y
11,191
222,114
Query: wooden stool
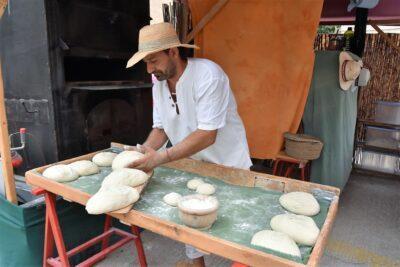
x,y
282,159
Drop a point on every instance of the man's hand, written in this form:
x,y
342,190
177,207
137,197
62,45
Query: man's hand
x,y
150,160
137,148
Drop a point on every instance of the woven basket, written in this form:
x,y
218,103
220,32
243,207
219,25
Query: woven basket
x,y
301,146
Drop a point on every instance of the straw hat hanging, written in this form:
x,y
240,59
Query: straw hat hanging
x,y
349,70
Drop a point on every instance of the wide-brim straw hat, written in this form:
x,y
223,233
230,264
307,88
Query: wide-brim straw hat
x,y
349,70
155,38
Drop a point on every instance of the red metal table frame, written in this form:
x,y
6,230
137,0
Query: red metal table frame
x,y
53,235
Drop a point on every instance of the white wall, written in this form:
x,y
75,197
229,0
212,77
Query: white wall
x,y
156,10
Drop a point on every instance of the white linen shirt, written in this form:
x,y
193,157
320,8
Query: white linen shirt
x,y
206,102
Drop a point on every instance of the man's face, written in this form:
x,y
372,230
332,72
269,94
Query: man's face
x,y
161,65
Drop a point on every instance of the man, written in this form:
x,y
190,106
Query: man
x,y
193,107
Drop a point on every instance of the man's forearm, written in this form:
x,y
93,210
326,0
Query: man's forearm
x,y
156,139
195,142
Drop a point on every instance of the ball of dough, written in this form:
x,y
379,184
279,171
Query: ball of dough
x,y
125,158
104,159
205,189
112,199
125,176
84,167
276,241
172,199
60,173
300,203
300,228
194,183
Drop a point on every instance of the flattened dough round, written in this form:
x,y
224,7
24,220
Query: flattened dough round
x,y
60,173
194,183
125,176
104,159
125,158
172,199
276,241
84,167
111,199
300,228
300,203
205,189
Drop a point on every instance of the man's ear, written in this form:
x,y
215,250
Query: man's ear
x,y
174,52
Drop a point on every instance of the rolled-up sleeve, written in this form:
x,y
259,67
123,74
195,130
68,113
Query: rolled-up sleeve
x,y
212,104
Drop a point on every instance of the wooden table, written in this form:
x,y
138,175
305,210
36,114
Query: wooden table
x,y
196,238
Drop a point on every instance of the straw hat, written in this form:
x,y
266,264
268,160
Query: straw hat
x,y
349,70
155,38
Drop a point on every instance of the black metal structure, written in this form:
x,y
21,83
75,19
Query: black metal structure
x,y
65,78
360,27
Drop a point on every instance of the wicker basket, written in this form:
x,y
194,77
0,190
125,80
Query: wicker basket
x,y
301,146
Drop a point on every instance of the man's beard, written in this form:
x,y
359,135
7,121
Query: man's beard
x,y
167,74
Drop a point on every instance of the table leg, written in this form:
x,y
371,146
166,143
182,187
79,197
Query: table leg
x,y
107,225
139,246
51,211
289,170
48,241
303,173
276,164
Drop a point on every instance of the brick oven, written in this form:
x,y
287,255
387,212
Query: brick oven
x,y
65,78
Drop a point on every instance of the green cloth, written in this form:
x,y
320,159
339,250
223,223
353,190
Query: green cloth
x,y
243,210
22,231
330,114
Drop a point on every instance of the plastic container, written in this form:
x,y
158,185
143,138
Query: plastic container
x,y
381,137
376,161
348,36
387,112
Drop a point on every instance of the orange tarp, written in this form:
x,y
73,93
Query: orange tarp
x,y
266,48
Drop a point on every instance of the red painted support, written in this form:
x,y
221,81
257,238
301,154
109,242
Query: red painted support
x,y
48,241
107,225
139,246
50,199
53,235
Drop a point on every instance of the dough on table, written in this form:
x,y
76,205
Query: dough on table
x,y
300,203
172,199
104,159
112,199
84,167
60,173
194,183
276,241
205,189
300,228
125,158
125,176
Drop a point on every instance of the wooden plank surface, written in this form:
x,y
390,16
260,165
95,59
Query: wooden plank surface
x,y
196,238
207,18
139,188
6,165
